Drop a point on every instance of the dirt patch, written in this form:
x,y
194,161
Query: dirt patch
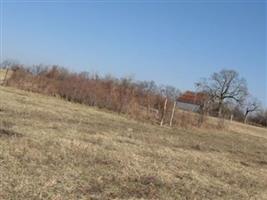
x,y
9,133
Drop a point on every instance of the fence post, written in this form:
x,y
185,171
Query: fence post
x,y
173,110
5,78
164,110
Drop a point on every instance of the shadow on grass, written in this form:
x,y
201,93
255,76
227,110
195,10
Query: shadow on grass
x,y
9,133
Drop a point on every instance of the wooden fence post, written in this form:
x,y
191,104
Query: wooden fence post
x,y
164,110
173,110
232,116
5,78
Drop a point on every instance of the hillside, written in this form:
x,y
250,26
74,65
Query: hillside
x,y
53,149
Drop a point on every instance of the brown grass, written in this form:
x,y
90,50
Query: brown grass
x,y
53,149
3,75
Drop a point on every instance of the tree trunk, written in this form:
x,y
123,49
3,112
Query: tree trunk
x,y
173,110
220,109
246,118
163,113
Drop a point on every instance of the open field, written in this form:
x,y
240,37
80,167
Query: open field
x,y
53,149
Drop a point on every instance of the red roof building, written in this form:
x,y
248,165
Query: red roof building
x,y
192,101
193,98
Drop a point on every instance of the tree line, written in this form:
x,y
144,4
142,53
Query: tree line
x,y
139,99
227,94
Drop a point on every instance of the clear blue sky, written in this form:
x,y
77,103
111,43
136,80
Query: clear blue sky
x,y
173,43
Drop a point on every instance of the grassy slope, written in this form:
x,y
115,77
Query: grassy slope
x,y
52,149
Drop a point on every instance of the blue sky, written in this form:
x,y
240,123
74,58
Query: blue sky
x,y
174,42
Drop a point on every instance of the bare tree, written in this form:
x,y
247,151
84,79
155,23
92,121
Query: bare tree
x,y
260,117
251,105
223,86
8,63
148,88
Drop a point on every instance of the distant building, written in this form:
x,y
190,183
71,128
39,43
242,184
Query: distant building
x,y
191,101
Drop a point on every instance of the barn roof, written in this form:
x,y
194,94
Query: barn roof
x,y
196,98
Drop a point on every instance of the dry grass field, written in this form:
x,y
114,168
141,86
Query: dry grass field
x,y
53,149
4,74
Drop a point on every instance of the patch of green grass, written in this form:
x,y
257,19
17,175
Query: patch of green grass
x,y
53,149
